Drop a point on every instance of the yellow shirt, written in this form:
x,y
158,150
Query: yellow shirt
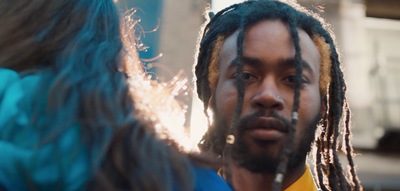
x,y
305,182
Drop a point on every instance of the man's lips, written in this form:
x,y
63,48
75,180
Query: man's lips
x,y
267,123
266,128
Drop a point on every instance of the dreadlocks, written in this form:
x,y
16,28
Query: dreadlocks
x,y
240,17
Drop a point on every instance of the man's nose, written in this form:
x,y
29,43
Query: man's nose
x,y
267,96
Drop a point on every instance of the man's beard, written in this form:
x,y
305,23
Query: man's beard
x,y
265,162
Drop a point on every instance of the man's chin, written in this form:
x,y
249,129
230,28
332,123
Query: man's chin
x,y
260,164
263,159
255,158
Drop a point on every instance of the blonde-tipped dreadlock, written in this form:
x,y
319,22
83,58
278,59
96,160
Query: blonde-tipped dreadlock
x,y
326,64
214,66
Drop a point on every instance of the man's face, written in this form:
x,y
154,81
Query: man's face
x,y
268,72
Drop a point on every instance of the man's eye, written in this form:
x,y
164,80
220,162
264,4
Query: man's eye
x,y
291,79
248,76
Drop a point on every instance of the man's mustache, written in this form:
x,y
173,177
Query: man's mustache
x,y
244,122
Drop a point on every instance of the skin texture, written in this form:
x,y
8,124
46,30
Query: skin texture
x,y
268,70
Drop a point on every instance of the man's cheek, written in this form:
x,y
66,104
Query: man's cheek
x,y
226,102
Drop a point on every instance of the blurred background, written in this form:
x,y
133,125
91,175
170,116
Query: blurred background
x,y
368,36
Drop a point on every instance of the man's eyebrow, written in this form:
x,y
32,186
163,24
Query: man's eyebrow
x,y
290,62
285,63
246,61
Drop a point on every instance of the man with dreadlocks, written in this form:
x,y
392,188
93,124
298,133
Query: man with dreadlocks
x,y
270,72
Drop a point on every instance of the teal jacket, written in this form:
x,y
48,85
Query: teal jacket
x,y
25,166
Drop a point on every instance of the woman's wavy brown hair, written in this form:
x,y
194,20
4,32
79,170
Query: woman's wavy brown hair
x,y
90,74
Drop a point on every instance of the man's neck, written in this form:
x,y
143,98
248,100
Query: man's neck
x,y
245,180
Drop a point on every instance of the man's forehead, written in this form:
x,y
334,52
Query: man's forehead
x,y
309,49
229,46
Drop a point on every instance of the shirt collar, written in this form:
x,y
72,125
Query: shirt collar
x,y
305,182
